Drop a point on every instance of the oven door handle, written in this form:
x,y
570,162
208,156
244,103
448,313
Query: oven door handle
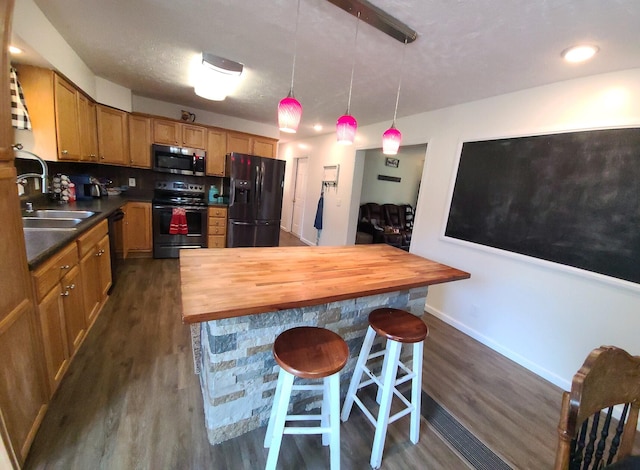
x,y
188,208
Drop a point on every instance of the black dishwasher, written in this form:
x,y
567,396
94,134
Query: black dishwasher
x,y
114,217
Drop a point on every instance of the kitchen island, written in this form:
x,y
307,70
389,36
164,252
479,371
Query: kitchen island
x,y
238,300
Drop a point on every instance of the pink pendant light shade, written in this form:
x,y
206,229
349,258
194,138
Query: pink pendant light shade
x,y
391,140
346,129
289,114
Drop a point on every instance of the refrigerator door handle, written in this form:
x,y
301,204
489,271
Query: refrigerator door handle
x,y
236,222
258,184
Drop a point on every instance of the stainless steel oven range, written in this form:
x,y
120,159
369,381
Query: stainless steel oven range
x,y
179,218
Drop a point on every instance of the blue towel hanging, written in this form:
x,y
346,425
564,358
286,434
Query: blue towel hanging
x,y
318,222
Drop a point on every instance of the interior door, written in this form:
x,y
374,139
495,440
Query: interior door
x,y
300,189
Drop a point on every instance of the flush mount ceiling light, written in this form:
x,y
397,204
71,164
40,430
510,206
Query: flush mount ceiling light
x,y
289,108
216,77
579,53
15,50
347,125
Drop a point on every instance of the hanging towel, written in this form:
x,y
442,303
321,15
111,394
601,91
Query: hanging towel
x,y
19,114
178,224
318,222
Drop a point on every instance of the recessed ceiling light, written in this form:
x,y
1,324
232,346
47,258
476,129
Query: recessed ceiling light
x,y
579,53
15,50
317,127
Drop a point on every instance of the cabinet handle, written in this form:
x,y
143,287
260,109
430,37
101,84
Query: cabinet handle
x,y
64,152
65,266
102,157
100,253
71,287
64,294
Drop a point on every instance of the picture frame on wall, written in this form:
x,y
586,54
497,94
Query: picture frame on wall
x,y
392,162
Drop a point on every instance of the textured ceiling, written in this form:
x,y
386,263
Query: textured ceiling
x,y
466,50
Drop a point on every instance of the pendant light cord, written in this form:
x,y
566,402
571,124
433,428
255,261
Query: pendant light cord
x,y
395,112
353,66
295,48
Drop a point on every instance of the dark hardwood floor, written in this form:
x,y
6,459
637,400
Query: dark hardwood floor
x,y
130,399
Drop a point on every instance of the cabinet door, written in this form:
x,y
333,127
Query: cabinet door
x,y
73,307
140,141
216,151
193,136
54,338
104,267
166,132
88,129
113,135
90,286
138,227
264,147
67,128
238,142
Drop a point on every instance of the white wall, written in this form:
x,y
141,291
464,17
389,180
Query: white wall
x,y
542,315
411,162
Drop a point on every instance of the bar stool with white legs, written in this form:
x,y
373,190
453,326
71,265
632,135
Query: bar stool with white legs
x,y
308,353
398,327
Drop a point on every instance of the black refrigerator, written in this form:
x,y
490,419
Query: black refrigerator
x,y
255,200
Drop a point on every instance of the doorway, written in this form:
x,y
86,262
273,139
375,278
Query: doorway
x,y
299,191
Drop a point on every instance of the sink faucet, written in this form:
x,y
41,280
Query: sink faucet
x,y
21,153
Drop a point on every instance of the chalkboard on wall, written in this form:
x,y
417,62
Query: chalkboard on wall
x,y
571,198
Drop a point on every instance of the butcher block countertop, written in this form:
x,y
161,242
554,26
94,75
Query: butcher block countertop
x,y
221,283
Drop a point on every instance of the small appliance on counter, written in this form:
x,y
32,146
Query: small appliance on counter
x,y
94,188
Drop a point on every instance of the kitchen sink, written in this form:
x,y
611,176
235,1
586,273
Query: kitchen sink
x,y
59,214
55,223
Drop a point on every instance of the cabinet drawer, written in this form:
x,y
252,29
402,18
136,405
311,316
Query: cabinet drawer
x,y
218,212
213,230
50,273
216,241
217,222
89,239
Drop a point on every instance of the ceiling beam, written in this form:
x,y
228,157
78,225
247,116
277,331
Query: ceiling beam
x,y
377,18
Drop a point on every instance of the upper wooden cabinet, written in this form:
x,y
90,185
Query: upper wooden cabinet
x,y
265,147
140,138
63,118
240,142
216,151
68,124
113,135
88,129
176,133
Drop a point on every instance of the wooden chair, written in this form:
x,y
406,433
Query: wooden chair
x,y
609,376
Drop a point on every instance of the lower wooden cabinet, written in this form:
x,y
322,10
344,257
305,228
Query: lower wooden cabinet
x,y
95,265
137,229
58,290
217,227
54,338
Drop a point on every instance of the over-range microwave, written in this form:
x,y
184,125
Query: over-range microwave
x,y
178,160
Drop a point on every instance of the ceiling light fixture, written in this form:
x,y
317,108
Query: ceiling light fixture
x,y
216,77
579,53
392,136
15,50
347,125
289,108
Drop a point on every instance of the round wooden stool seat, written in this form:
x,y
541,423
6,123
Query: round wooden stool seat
x,y
310,352
398,325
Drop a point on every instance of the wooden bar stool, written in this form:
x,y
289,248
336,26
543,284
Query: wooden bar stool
x,y
398,327
309,353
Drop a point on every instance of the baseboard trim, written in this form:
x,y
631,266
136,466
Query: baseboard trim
x,y
508,353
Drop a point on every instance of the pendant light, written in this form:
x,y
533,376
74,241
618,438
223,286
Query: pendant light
x,y
392,136
347,124
289,108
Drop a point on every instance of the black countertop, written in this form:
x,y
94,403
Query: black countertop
x,y
41,244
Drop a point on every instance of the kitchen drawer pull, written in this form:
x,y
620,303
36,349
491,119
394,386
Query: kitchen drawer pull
x,y
65,266
64,152
71,287
64,294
